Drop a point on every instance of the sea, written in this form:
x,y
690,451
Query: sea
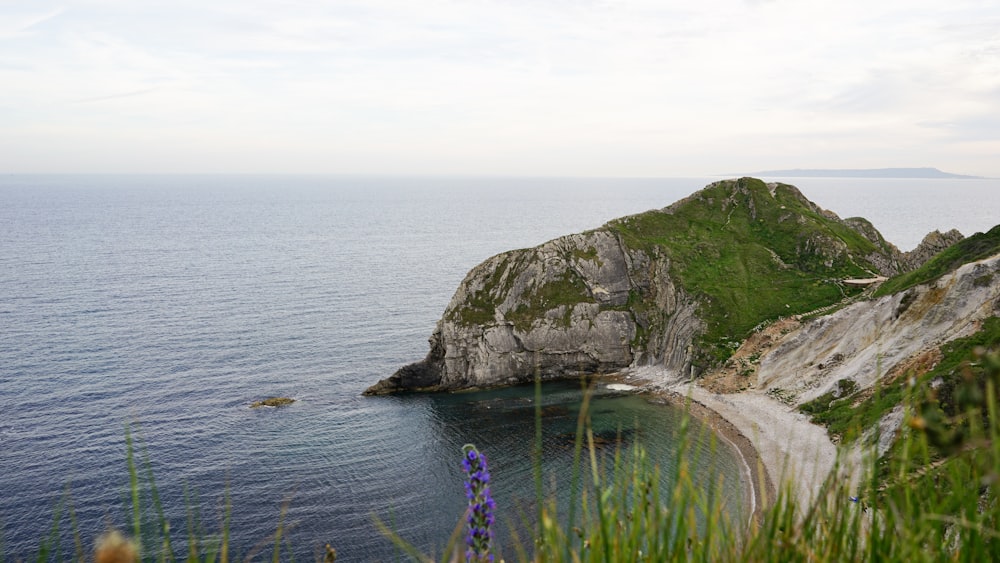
x,y
167,304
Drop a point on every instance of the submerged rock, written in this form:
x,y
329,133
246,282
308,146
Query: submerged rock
x,y
272,402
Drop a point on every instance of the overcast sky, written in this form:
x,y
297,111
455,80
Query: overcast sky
x,y
515,87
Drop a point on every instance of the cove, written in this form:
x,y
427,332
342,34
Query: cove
x,y
501,423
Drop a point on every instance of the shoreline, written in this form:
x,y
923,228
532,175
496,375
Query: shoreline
x,y
793,451
760,491
779,446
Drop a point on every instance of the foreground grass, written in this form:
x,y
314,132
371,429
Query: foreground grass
x,y
932,498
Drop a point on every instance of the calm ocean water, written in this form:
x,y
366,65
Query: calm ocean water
x,y
175,301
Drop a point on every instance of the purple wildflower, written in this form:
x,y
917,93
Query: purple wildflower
x,y
481,506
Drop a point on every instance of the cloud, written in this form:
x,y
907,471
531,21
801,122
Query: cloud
x,y
17,25
113,96
976,127
499,87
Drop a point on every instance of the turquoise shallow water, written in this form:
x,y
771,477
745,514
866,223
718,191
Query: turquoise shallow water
x,y
175,301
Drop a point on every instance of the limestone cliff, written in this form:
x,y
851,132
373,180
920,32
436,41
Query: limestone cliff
x,y
563,308
678,288
934,242
866,341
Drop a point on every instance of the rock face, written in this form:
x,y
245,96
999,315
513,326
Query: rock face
x,y
672,288
865,341
934,242
562,308
887,258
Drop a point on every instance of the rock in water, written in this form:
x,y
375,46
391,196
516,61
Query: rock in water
x,y
272,402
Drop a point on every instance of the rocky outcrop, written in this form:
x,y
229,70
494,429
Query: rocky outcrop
x,y
675,288
272,402
934,242
866,341
887,258
566,307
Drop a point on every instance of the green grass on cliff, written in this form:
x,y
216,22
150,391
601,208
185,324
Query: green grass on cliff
x,y
848,413
750,255
565,291
972,249
746,253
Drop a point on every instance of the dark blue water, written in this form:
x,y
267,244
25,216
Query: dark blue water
x,y
172,302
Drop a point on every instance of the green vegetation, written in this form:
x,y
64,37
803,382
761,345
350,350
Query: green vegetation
x,y
750,256
912,506
957,383
845,415
566,290
848,412
747,253
976,247
590,254
480,307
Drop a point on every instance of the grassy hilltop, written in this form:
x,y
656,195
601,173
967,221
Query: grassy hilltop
x,y
753,253
678,287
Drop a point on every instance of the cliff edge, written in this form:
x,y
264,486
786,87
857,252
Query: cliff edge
x,y
677,288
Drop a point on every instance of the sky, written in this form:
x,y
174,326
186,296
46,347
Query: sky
x,y
512,88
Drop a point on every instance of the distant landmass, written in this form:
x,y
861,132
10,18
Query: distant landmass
x,y
861,173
